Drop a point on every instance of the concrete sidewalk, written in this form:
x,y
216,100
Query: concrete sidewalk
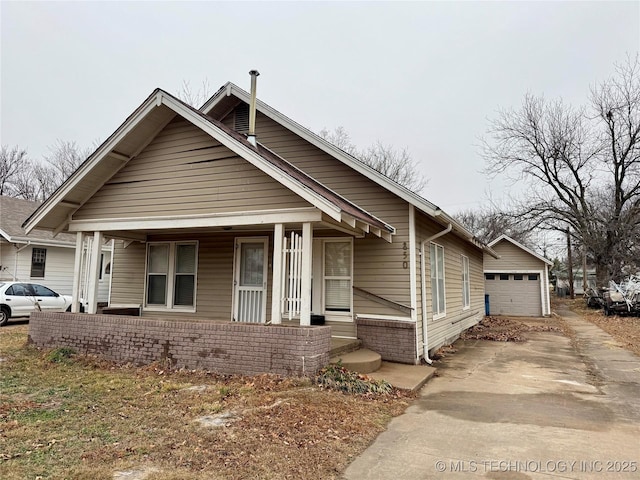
x,y
552,407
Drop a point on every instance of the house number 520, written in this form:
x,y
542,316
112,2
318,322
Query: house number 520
x,y
405,256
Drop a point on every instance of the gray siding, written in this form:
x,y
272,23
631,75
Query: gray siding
x,y
512,258
184,171
378,265
457,319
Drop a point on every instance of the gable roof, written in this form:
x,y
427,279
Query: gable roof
x,y
14,211
219,103
144,124
522,247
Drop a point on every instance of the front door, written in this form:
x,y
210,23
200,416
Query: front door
x,y
250,280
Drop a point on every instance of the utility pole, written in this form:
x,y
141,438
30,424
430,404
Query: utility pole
x,y
572,294
585,284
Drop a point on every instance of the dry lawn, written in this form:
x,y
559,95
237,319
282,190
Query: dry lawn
x,y
82,418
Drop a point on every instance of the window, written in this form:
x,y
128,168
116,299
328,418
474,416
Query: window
x,y
437,280
504,276
489,276
42,291
533,277
38,260
466,283
518,277
17,290
337,276
171,274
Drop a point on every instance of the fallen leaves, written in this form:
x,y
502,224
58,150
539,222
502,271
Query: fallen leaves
x,y
505,329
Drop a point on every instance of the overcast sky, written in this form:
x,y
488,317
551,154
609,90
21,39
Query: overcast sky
x,y
422,75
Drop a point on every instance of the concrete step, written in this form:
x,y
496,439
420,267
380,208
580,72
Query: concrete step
x,y
362,360
340,346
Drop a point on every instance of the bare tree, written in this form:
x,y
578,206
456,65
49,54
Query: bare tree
x,y
195,98
489,223
583,168
13,161
391,162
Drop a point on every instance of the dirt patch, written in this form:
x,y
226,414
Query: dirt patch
x,y
505,329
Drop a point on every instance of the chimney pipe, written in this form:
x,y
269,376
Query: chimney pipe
x,y
252,108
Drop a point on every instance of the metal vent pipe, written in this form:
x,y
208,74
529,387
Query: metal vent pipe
x,y
252,108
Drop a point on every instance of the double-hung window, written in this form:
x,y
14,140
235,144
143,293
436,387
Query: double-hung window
x,y
437,280
466,283
337,275
171,275
38,262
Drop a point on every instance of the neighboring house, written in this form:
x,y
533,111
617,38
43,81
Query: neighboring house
x,y
40,257
222,218
562,281
517,283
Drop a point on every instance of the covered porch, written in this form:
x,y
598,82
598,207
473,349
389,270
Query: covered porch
x,y
298,273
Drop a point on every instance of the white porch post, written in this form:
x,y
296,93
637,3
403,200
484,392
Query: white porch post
x,y
94,267
77,272
307,257
276,287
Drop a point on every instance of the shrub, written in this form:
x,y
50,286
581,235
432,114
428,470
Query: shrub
x,y
337,377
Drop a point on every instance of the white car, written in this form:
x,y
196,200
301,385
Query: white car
x,y
19,299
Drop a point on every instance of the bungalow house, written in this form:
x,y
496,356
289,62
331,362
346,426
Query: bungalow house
x,y
40,257
236,221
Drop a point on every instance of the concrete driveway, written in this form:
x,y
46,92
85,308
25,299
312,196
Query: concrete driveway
x,y
552,407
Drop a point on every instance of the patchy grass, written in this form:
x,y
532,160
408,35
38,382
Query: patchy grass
x,y
69,416
624,329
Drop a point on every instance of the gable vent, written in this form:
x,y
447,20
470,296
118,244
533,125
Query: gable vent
x,y
241,120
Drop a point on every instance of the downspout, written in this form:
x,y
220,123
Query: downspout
x,y
252,108
15,265
425,335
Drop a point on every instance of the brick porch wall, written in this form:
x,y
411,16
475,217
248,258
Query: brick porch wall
x,y
394,340
222,347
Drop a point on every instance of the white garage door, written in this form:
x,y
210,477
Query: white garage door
x,y
513,294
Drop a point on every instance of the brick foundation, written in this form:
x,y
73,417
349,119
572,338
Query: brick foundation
x,y
394,340
223,347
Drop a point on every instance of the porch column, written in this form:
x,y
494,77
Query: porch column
x,y
94,267
77,272
276,287
307,257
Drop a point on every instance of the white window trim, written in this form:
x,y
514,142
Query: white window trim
x,y
443,313
169,307
466,283
330,314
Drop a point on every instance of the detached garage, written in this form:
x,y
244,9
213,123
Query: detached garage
x,y
517,283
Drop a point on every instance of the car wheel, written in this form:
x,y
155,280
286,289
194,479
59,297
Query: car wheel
x,y
4,316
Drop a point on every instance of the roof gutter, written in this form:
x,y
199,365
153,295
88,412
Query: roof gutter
x,y
423,268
